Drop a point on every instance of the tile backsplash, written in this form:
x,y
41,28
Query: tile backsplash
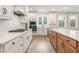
x,y
6,25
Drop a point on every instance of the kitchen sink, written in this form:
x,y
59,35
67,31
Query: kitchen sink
x,y
18,30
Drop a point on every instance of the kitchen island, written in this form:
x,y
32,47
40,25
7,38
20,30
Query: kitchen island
x,y
64,40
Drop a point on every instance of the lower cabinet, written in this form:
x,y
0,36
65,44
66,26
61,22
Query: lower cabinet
x,y
54,41
52,37
65,45
69,49
62,44
42,31
78,47
14,46
49,34
18,44
27,40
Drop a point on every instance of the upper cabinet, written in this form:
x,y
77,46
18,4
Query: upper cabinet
x,y
42,22
6,12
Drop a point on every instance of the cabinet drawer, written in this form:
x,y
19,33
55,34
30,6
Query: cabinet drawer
x,y
69,49
10,46
14,46
69,41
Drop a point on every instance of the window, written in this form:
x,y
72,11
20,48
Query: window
x,y
61,21
73,21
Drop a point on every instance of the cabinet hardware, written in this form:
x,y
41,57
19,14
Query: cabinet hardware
x,y
21,44
67,40
13,43
21,37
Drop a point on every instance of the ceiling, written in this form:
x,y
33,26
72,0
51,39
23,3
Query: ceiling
x,y
53,8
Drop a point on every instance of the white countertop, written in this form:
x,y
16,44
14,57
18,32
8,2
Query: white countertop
x,y
69,33
7,36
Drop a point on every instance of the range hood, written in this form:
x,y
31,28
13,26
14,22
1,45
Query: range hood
x,y
19,12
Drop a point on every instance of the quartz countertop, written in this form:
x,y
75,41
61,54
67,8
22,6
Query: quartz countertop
x,y
7,36
74,34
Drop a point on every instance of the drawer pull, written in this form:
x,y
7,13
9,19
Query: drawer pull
x,y
67,40
21,37
13,43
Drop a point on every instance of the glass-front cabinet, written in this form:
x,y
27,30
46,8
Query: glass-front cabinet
x,y
42,21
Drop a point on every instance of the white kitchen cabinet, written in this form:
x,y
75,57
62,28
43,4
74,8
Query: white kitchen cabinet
x,y
14,46
6,12
42,31
27,39
42,25
17,44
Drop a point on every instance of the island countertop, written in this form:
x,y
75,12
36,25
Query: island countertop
x,y
74,34
7,36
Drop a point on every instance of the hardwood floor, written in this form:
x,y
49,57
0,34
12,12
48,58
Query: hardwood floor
x,y
40,44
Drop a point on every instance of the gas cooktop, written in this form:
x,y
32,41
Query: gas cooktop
x,y
18,30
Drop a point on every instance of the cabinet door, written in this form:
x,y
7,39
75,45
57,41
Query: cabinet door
x,y
69,49
54,43
27,39
54,39
49,34
78,47
60,45
19,44
42,31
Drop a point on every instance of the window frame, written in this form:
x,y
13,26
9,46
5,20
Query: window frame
x,y
76,22
64,21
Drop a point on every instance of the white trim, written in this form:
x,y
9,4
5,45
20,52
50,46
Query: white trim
x,y
64,20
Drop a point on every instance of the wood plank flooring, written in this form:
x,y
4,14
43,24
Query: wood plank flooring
x,y
40,44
